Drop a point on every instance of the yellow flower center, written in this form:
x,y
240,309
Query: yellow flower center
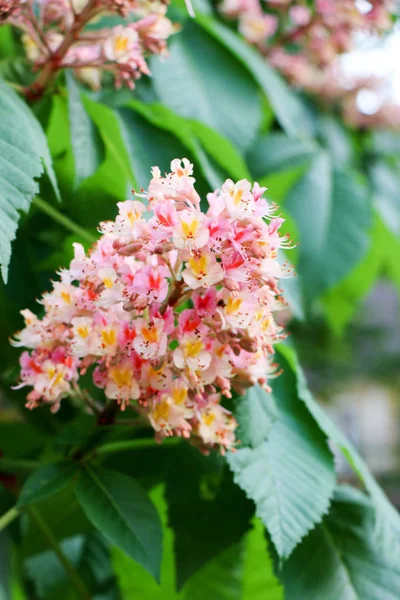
x,y
198,266
233,305
179,395
208,419
193,349
161,411
122,376
150,334
83,332
66,297
121,43
109,337
189,230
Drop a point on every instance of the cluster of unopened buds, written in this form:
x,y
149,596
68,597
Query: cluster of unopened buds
x,y
304,41
61,34
171,310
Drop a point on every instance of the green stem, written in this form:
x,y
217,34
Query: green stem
x,y
63,220
48,534
8,517
18,464
112,447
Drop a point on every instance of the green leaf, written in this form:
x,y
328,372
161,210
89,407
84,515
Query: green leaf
x,y
278,152
88,555
221,578
192,86
208,514
341,302
147,145
255,412
333,216
336,139
23,151
288,109
63,516
259,581
46,481
87,145
387,526
291,475
209,148
385,184
122,511
340,560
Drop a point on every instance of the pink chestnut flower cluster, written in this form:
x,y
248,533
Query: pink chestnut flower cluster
x,y
305,42
66,34
171,310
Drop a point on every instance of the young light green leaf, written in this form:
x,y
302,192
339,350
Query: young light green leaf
x,y
220,578
340,560
122,511
87,145
47,480
192,86
291,475
259,581
23,152
288,109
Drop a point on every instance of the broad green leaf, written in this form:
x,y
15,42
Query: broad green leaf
x,y
333,215
386,141
23,152
208,147
62,515
133,580
291,475
147,145
88,555
336,139
278,152
46,481
118,166
122,511
192,85
259,581
221,578
385,184
255,411
340,559
288,109
208,514
387,519
341,302
86,142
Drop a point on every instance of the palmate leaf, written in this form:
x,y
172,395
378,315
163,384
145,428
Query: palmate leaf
x,y
23,156
387,519
119,508
333,214
290,474
340,560
192,85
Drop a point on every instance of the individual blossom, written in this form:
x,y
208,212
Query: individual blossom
x,y
171,311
